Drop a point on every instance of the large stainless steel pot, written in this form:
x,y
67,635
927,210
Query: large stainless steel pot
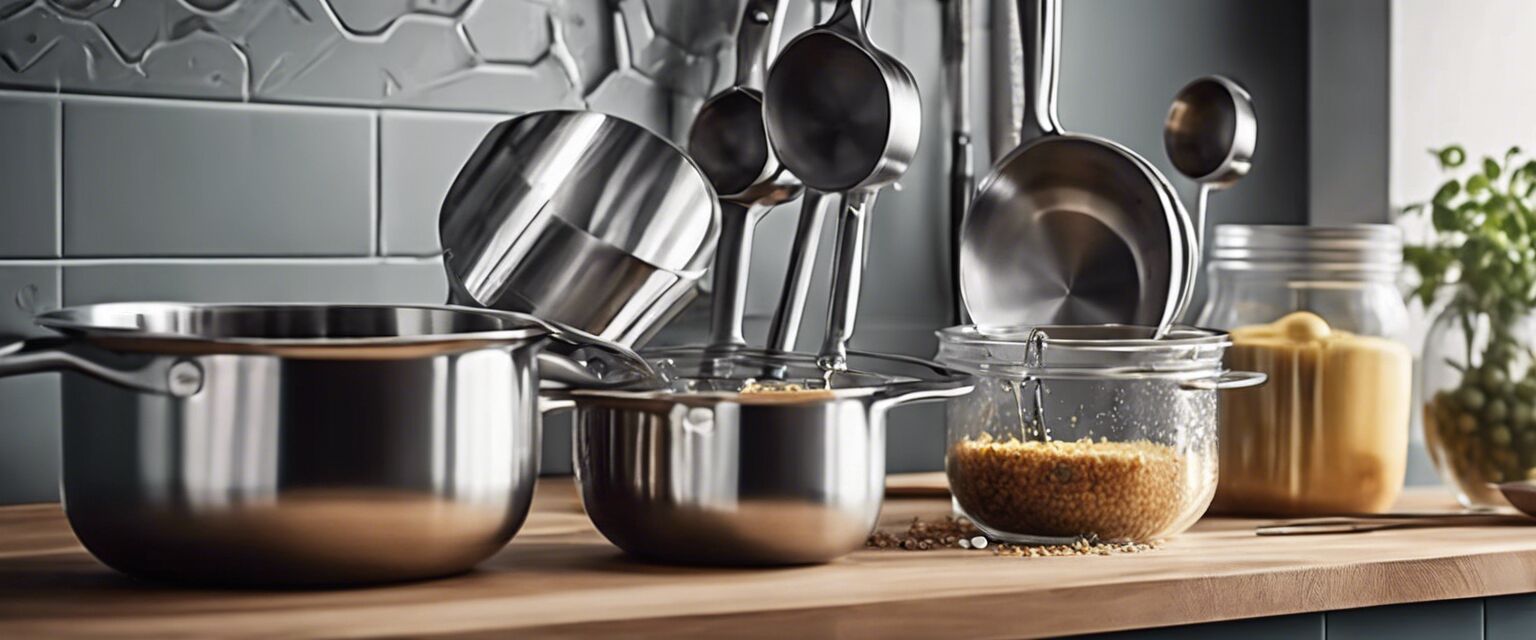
x,y
298,444
704,474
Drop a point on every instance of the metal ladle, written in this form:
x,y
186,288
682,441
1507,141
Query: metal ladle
x,y
845,117
1070,228
1210,136
730,144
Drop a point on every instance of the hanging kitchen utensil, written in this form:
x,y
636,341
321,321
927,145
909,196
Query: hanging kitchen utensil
x,y
579,218
845,117
1209,136
729,142
962,166
1070,228
784,329
1005,78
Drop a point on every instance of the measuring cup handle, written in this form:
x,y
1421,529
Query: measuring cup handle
x,y
756,41
1226,381
847,278
802,264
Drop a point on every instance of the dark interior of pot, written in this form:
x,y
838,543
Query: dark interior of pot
x,y
278,322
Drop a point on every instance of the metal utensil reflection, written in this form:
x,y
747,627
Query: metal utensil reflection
x,y
845,117
580,218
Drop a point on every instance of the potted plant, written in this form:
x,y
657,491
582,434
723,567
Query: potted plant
x,y
1479,370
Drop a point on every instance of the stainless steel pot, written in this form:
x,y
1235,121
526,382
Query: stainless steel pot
x,y
300,444
582,218
704,474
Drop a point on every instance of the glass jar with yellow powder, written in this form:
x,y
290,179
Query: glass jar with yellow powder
x,y
1318,309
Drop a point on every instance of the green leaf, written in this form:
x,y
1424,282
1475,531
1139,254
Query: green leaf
x,y
1478,183
1449,190
1491,168
1450,157
1445,219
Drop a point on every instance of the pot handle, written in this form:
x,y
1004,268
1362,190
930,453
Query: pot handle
x,y
923,393
548,404
575,358
175,377
1227,380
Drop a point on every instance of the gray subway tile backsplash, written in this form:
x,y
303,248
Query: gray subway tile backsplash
x,y
29,172
30,414
420,153
395,281
175,178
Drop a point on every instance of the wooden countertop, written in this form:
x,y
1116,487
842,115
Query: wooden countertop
x,y
559,578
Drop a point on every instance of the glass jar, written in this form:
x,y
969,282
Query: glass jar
x,y
1318,309
1092,431
1479,380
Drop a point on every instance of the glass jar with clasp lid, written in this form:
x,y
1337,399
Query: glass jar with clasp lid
x,y
1100,432
1319,310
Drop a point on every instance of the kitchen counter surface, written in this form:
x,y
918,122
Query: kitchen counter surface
x,y
559,578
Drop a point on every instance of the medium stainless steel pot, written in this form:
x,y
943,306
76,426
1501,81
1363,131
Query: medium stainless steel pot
x,y
299,444
704,474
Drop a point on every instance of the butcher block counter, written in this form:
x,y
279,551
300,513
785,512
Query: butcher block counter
x,y
559,578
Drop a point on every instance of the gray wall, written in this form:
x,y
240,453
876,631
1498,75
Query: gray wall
x,y
254,150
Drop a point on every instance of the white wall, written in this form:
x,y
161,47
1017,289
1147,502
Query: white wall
x,y
1461,72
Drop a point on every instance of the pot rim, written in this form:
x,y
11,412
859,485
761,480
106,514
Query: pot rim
x,y
124,323
870,384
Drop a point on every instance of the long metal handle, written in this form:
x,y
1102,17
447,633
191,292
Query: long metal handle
x,y
1005,86
850,14
962,167
755,42
733,258
176,377
1040,33
785,329
576,358
847,277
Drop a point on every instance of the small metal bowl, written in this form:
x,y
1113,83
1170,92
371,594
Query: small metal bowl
x,y
701,473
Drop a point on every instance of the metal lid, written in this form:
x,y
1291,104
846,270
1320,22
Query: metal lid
x,y
1091,351
1364,246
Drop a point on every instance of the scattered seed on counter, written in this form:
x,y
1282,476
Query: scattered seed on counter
x,y
959,533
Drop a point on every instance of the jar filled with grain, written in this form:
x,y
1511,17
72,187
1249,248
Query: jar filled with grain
x,y
1100,432
1318,309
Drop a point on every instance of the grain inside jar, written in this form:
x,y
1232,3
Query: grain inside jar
x,y
1121,491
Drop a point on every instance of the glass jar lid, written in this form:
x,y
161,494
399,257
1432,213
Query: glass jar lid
x,y
1363,247
1088,351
